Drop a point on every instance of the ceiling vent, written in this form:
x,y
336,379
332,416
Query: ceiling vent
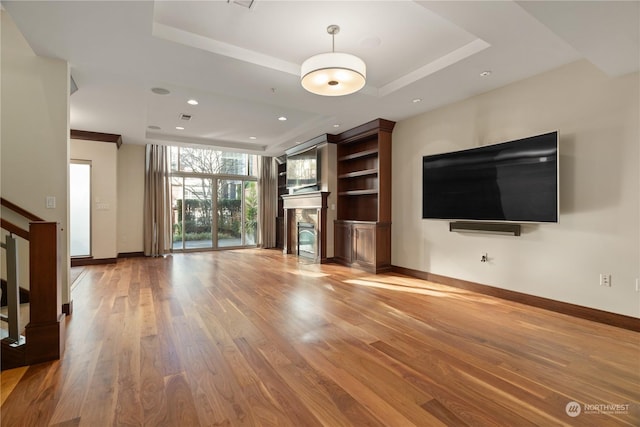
x,y
186,117
73,87
243,3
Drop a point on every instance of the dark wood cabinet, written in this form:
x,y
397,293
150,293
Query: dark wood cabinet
x,y
363,226
280,232
342,242
363,244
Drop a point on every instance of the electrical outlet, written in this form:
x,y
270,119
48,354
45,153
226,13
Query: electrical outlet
x,y
605,280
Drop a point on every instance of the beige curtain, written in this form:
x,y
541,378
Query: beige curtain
x,y
157,201
268,201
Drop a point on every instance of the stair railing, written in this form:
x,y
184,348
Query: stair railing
x,y
13,294
45,331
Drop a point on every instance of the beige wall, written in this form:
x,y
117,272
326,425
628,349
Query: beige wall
x,y
598,122
35,129
130,198
104,201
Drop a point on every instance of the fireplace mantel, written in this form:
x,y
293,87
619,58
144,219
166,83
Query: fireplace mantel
x,y
310,200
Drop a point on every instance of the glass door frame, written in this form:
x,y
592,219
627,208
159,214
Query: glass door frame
x,y
215,178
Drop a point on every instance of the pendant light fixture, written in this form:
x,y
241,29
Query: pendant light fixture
x,y
333,73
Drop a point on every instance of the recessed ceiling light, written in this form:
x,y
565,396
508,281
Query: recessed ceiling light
x,y
336,125
160,91
192,102
179,128
282,118
416,100
485,73
252,137
154,127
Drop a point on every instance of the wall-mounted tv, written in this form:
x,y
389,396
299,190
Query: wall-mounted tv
x,y
514,181
302,169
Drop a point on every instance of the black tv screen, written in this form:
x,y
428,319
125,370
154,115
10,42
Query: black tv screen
x,y
302,169
514,181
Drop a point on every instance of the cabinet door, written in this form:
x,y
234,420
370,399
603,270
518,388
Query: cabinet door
x,y
280,232
364,242
342,246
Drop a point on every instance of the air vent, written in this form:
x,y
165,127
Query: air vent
x,y
73,87
243,3
186,117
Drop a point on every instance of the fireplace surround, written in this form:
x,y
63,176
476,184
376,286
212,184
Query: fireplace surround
x,y
309,210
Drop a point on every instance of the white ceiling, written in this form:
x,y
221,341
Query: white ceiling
x,y
242,64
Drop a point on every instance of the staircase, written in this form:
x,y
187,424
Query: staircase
x,y
43,336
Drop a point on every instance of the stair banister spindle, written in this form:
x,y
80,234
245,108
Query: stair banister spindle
x,y
13,294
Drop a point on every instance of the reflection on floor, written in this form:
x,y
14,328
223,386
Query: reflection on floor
x,y
8,381
74,274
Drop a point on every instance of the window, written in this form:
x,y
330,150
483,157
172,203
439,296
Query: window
x,y
80,208
213,190
212,162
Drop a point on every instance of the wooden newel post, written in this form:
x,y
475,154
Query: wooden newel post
x,y
45,333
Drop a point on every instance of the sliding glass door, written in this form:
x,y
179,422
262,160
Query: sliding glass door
x,y
231,210
214,199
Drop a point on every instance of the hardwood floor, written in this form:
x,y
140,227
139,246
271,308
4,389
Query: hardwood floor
x,y
251,337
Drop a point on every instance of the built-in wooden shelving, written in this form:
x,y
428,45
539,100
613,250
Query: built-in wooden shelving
x,y
363,226
358,192
358,155
356,174
282,190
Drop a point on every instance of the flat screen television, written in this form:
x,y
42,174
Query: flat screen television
x,y
514,181
302,169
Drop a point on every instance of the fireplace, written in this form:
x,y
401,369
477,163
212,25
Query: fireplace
x,y
305,223
307,240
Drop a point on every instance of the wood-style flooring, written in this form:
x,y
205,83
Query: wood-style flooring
x,y
255,338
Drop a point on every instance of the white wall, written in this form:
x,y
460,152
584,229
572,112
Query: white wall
x,y
35,131
104,201
130,198
598,122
